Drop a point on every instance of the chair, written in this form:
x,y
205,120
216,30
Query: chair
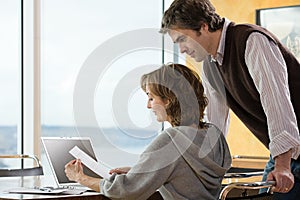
x,y
33,171
241,189
236,172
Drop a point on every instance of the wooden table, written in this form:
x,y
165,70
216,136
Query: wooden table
x,y
86,196
32,181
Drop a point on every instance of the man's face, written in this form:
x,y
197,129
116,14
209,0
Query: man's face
x,y
190,42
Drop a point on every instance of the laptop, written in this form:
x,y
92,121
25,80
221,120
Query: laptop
x,y
57,152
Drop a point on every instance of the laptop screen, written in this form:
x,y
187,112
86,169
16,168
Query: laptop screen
x,y
57,151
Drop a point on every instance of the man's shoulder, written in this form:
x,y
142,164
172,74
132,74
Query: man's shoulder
x,y
246,29
244,26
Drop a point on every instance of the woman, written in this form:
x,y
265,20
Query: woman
x,y
186,161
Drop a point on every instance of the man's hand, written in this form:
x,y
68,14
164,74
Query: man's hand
x,y
282,173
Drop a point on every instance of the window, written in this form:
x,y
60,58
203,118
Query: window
x,y
92,56
74,35
10,85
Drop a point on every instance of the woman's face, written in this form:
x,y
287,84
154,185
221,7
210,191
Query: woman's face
x,y
157,105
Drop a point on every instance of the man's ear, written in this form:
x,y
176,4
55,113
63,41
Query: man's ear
x,y
204,28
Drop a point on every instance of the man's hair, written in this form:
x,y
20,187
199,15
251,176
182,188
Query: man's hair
x,y
184,90
191,14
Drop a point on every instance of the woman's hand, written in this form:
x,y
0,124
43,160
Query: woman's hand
x,y
120,170
74,170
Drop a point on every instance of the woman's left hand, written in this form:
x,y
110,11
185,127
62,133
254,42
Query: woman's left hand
x,y
120,170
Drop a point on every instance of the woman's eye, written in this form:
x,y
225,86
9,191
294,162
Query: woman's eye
x,y
150,99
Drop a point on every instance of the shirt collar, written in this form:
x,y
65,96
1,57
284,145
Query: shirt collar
x,y
221,47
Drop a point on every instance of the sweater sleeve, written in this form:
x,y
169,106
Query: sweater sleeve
x,y
153,169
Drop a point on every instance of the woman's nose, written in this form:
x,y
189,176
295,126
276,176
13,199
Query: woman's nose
x,y
149,105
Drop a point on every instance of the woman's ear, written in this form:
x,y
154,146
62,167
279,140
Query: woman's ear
x,y
167,102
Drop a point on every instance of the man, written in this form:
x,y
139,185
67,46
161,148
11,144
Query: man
x,y
260,82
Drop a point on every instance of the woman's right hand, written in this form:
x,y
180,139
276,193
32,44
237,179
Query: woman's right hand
x,y
120,170
74,170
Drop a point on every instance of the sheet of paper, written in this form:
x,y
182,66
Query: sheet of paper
x,y
89,162
24,190
45,190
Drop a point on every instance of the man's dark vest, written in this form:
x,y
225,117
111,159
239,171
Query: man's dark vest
x,y
241,94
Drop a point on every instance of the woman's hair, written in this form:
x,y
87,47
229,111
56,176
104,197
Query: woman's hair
x,y
183,88
191,14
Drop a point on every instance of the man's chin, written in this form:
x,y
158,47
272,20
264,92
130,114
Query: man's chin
x,y
198,59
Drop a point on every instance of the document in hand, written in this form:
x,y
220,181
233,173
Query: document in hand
x,y
89,162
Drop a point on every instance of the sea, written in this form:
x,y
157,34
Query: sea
x,y
114,146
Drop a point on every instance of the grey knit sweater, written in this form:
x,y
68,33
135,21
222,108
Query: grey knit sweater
x,y
182,163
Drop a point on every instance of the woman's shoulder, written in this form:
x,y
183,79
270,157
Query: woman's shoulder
x,y
207,131
160,141
207,127
169,134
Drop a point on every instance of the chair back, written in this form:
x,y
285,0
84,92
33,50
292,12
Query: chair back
x,y
33,171
247,190
251,168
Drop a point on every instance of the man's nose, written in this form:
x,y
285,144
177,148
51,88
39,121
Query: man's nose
x,y
182,48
